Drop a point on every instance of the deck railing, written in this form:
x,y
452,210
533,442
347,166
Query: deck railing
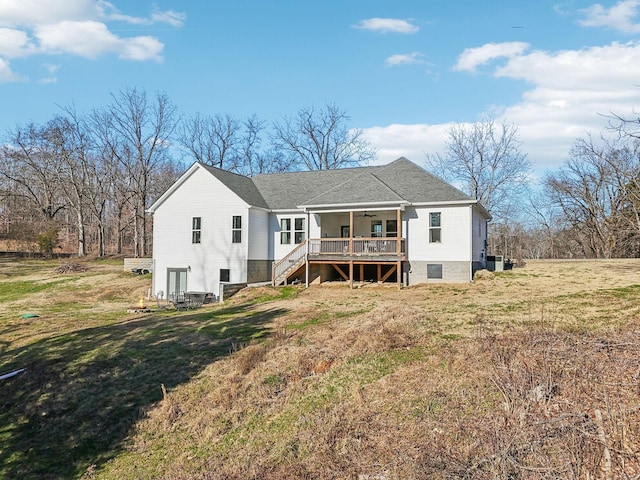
x,y
375,246
293,258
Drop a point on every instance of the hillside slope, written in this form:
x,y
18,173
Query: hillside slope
x,y
531,374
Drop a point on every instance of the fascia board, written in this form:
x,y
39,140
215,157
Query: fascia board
x,y
154,206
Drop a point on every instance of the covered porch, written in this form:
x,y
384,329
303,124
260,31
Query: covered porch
x,y
358,244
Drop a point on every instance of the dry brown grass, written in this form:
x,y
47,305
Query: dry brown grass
x,y
530,374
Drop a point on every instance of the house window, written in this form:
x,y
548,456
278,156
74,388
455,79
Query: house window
x,y
285,231
434,227
196,223
376,228
236,229
299,230
224,274
434,270
392,228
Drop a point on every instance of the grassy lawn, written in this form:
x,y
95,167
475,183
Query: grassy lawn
x,y
530,374
91,369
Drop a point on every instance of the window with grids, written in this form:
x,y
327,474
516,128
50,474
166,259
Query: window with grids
x,y
435,234
299,230
196,224
236,229
285,231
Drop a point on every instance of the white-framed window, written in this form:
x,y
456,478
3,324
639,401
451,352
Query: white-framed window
x,y
376,228
435,234
196,229
299,230
392,228
236,229
285,231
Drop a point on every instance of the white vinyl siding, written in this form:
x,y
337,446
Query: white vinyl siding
x,y
455,234
258,234
201,195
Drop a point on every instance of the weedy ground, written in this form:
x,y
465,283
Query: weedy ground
x,y
532,373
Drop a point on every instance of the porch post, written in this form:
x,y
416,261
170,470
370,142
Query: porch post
x,y
399,228
351,233
399,249
351,274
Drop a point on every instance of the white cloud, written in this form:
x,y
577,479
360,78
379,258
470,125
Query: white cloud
x,y
91,39
404,59
175,19
403,140
619,17
142,48
572,93
387,25
6,74
28,13
75,27
51,70
15,43
472,58
87,39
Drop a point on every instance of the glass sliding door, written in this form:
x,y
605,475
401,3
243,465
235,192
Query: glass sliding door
x,y
176,282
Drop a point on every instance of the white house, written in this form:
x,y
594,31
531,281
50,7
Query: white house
x,y
390,223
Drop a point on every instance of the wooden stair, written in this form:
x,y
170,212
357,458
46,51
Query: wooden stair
x,y
289,265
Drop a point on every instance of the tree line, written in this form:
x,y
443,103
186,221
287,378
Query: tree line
x,y
87,179
589,207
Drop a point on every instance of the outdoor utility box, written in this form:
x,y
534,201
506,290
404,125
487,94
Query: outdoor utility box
x,y
495,263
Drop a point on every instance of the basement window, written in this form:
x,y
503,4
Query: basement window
x,y
225,274
434,270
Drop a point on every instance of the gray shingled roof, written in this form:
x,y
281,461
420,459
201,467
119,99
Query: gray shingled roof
x,y
241,185
401,180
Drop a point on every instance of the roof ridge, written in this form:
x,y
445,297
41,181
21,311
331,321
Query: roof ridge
x,y
319,172
340,185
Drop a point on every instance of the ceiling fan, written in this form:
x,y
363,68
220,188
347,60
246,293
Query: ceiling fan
x,y
365,214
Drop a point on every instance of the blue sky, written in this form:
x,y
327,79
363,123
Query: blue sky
x,y
405,71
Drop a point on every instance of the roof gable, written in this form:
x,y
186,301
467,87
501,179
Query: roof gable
x,y
416,185
240,185
364,188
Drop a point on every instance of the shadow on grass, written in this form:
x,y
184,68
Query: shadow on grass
x,y
82,392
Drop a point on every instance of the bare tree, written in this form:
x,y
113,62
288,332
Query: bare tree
x,y
255,160
212,140
487,160
70,143
320,140
136,132
32,167
592,190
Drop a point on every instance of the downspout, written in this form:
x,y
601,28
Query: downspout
x,y
471,244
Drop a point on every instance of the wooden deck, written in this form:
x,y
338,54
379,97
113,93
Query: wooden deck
x,y
375,249
348,256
